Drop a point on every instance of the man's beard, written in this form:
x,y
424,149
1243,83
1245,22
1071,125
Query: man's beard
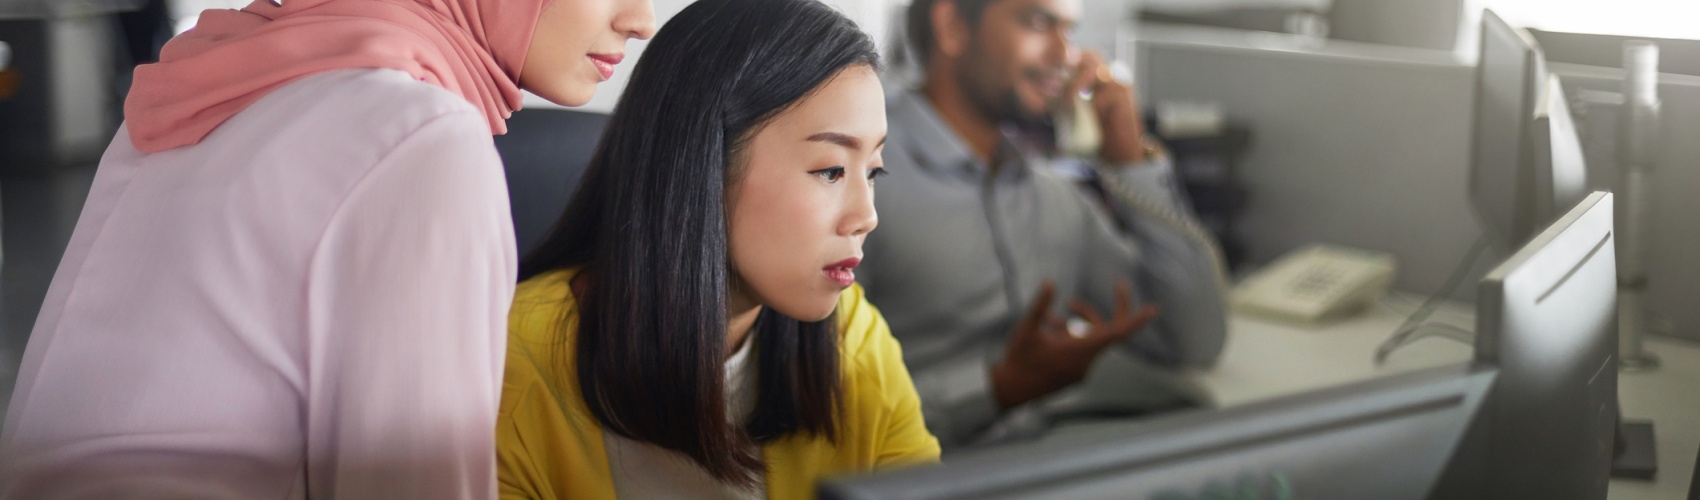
x,y
993,98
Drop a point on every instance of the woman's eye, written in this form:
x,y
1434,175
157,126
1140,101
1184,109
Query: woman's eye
x,y
875,173
830,174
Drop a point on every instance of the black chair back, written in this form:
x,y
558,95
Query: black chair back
x,y
545,152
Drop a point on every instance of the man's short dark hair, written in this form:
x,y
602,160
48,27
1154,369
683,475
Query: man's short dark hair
x,y
921,23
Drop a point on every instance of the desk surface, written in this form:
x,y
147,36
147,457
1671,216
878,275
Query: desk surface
x,y
1267,358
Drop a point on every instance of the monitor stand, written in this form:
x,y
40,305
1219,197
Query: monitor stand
x,y
1634,456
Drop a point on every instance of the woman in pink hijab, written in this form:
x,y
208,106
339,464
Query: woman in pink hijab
x,y
292,275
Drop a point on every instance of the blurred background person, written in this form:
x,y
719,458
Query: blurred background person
x,y
976,220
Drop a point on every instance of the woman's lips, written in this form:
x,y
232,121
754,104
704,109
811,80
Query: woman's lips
x,y
842,272
605,63
843,277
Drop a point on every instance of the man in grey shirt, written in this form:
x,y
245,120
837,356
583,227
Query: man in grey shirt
x,y
979,236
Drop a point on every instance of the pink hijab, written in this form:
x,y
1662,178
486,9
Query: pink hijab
x,y
474,48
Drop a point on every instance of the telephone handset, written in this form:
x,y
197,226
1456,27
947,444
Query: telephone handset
x,y
1316,283
1079,134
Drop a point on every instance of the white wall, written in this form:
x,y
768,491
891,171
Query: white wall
x,y
1651,18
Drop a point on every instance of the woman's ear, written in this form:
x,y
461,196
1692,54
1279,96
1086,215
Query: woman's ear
x,y
950,31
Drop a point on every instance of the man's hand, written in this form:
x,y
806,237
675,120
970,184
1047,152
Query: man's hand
x,y
1043,357
1117,109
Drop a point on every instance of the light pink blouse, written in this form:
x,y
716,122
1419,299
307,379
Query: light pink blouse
x,y
310,303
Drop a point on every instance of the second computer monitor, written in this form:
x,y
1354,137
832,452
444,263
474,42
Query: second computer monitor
x,y
1526,166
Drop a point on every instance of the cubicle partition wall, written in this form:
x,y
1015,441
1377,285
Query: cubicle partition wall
x,y
1359,145
1369,146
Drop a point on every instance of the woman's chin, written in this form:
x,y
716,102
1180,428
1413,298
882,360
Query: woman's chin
x,y
808,313
570,96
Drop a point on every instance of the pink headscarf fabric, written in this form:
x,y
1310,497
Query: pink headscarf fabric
x,y
474,48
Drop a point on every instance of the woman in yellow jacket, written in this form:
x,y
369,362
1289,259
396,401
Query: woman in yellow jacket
x,y
693,328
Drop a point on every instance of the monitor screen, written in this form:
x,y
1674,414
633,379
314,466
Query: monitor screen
x,y
1387,438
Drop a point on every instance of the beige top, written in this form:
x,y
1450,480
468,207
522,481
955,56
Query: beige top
x,y
643,470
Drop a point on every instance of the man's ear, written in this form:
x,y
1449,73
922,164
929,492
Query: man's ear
x,y
950,31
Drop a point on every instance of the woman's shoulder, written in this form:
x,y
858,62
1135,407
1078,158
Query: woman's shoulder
x,y
360,111
881,405
549,288
544,309
540,327
865,339
858,320
368,90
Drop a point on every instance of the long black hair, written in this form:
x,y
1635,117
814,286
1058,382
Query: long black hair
x,y
648,227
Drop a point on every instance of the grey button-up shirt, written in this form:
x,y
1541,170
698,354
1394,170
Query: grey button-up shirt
x,y
960,253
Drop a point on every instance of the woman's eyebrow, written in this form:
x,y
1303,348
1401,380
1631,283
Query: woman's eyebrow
x,y
848,141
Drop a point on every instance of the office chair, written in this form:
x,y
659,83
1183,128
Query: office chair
x,y
545,152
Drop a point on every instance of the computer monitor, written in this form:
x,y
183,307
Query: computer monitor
x,y
1387,438
1526,167
1547,318
1558,158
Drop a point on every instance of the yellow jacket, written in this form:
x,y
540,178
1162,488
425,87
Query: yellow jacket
x,y
549,446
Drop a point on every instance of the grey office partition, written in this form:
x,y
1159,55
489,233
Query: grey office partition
x,y
1360,145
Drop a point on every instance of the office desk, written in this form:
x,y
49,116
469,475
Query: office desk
x,y
1266,358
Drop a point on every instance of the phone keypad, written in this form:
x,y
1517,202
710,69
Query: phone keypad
x,y
1316,282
